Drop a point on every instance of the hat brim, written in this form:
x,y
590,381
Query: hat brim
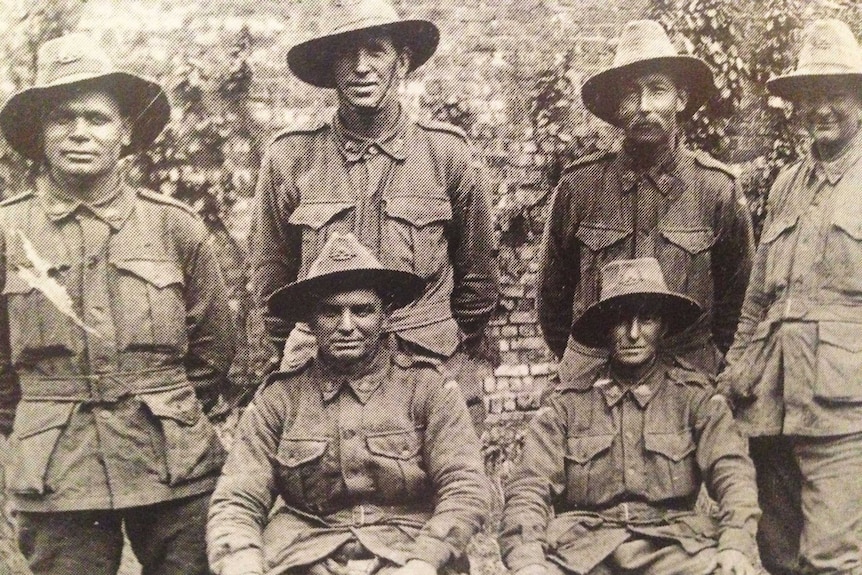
x,y
311,61
790,86
142,100
294,302
601,93
592,328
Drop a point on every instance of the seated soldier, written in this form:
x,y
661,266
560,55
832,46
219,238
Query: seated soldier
x,y
372,451
619,460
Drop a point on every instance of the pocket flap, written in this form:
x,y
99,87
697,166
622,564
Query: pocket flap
x,y
15,285
295,452
583,449
316,215
179,404
419,211
397,445
694,241
159,273
675,446
852,227
598,238
841,334
35,417
778,227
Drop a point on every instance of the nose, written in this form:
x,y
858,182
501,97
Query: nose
x,y
361,64
647,101
634,329
79,129
346,324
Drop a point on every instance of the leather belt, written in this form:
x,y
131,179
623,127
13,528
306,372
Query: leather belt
x,y
361,515
635,512
101,387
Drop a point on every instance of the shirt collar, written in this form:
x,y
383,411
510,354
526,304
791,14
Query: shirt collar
x,y
114,209
642,392
355,147
363,384
833,170
661,173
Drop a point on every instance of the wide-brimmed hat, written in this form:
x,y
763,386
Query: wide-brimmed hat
x,y
79,60
633,285
829,52
643,46
344,264
312,59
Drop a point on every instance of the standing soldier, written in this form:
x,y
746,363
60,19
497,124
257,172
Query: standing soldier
x,y
795,368
408,190
118,333
652,198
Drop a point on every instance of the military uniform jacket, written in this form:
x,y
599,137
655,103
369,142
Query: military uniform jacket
x,y
388,458
698,229
795,366
429,214
615,463
113,314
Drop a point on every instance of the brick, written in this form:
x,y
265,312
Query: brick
x,y
518,317
540,369
527,330
509,404
510,357
489,385
504,345
512,291
509,331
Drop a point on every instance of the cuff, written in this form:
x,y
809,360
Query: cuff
x,y
434,551
525,554
739,540
243,562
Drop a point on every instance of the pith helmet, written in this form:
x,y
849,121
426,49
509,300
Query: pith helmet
x,y
344,264
77,60
829,52
645,46
312,60
636,284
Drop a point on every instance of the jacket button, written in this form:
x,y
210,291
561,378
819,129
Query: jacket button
x,y
105,414
348,434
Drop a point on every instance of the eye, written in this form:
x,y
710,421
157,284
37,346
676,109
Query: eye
x,y
363,310
60,117
97,119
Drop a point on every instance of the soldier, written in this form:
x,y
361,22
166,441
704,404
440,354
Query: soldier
x,y
408,190
795,371
651,198
372,450
620,457
118,333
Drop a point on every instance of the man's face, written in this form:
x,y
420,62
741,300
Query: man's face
x,y
84,134
368,69
831,115
635,338
648,108
348,326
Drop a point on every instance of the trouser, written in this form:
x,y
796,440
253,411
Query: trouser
x,y
301,346
652,557
167,538
828,499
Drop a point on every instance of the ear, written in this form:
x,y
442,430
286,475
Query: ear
x,y
403,63
126,137
681,99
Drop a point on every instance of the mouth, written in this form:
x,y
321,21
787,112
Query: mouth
x,y
78,156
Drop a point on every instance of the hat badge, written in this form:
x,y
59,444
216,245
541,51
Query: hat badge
x,y
821,42
68,56
341,250
631,276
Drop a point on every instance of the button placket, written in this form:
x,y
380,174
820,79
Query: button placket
x,y
96,302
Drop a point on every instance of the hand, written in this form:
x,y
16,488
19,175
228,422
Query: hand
x,y
733,562
533,569
415,567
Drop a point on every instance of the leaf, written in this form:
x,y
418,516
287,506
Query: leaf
x,y
48,286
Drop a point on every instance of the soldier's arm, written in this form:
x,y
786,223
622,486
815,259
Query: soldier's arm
x,y
245,491
10,392
474,262
559,271
539,475
731,264
452,453
722,455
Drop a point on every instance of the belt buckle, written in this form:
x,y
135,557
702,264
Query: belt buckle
x,y
626,514
94,383
358,515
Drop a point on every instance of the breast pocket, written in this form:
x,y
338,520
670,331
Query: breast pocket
x,y
414,236
318,220
37,328
184,435
839,362
671,466
687,253
299,462
36,431
844,256
396,465
588,467
152,304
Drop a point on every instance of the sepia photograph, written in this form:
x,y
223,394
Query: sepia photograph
x,y
391,287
